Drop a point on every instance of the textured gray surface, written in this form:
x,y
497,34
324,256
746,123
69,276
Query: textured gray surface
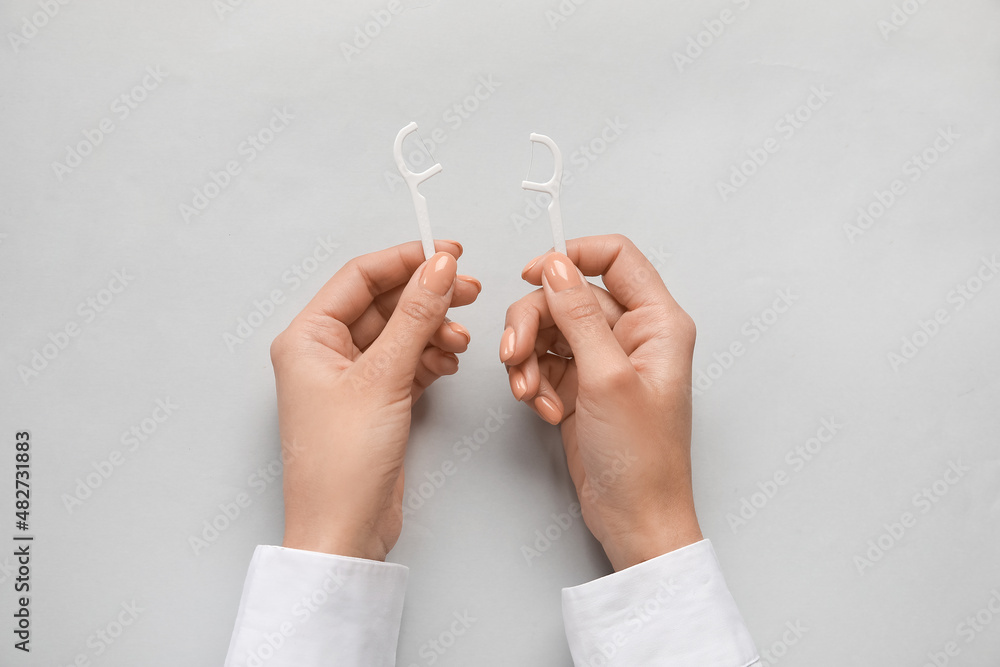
x,y
682,126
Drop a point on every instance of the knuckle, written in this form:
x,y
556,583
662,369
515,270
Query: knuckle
x,y
525,319
421,310
526,309
620,376
514,313
279,348
616,379
584,310
289,344
310,327
351,265
686,328
622,240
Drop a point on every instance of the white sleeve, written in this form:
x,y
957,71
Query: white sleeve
x,y
674,610
307,609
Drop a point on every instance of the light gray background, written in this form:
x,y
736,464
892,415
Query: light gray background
x,y
325,176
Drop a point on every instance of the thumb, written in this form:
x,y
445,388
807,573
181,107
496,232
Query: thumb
x,y
420,311
581,319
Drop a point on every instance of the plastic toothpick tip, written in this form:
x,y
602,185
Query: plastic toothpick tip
x,y
551,188
412,181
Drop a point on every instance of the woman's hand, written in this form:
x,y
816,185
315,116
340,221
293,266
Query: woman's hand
x,y
613,367
348,369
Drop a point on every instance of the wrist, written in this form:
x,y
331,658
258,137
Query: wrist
x,y
652,539
335,543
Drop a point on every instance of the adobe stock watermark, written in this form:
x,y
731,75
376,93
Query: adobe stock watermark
x,y
752,331
786,127
88,310
659,256
104,637
550,534
121,108
563,522
265,307
452,119
424,489
581,159
230,511
967,631
772,654
33,23
795,460
912,171
956,299
923,502
248,151
636,619
370,30
713,30
434,648
562,12
299,615
223,8
131,440
899,17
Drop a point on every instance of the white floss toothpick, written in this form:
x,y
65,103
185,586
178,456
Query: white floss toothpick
x,y
412,181
551,188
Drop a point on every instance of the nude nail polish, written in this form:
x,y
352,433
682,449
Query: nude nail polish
x,y
518,384
507,344
472,281
460,330
548,410
560,273
439,273
461,249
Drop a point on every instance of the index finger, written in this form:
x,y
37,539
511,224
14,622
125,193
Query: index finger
x,y
350,291
628,275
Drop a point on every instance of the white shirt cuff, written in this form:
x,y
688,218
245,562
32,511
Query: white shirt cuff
x,y
674,610
306,608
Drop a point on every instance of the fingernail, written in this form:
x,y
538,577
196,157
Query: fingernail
x,y
439,273
561,273
507,344
518,384
472,281
461,249
530,265
548,410
459,329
